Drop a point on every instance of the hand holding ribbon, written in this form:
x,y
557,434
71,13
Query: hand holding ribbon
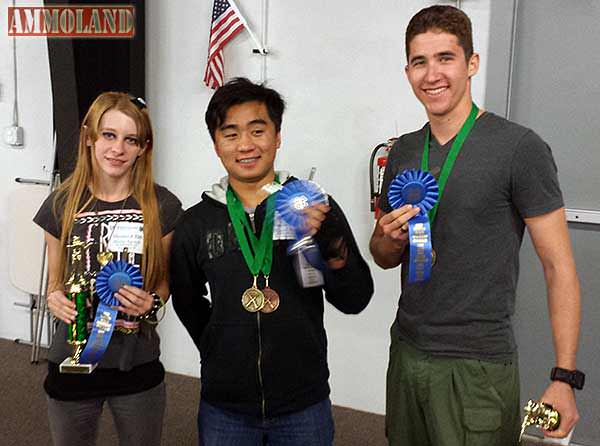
x,y
394,225
420,189
302,205
109,281
134,301
315,216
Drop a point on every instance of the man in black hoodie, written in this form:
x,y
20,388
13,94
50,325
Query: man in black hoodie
x,y
261,336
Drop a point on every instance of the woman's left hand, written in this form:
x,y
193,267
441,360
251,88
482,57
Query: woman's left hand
x,y
134,301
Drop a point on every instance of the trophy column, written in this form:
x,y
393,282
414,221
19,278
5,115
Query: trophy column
x,y
78,291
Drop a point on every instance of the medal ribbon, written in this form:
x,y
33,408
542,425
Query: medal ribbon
x,y
450,159
262,247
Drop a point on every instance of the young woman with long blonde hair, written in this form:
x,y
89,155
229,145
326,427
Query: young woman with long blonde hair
x,y
112,208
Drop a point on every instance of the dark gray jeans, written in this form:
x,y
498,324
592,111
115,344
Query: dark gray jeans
x,y
138,418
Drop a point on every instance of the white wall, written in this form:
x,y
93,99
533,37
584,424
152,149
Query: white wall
x,y
340,66
341,70
35,116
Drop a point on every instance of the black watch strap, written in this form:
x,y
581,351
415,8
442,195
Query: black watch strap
x,y
574,378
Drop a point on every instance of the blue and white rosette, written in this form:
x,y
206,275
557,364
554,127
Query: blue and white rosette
x,y
420,189
108,281
292,199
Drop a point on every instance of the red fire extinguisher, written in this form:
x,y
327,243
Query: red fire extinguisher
x,y
377,170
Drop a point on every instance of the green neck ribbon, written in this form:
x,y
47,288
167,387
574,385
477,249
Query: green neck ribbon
x,y
450,159
258,252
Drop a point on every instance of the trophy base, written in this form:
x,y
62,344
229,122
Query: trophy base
x,y
566,440
68,366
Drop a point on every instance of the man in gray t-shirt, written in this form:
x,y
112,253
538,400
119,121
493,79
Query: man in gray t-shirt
x,y
453,375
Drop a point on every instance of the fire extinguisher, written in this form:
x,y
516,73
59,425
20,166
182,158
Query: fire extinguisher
x,y
377,170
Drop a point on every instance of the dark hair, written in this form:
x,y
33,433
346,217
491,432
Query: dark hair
x,y
442,18
239,91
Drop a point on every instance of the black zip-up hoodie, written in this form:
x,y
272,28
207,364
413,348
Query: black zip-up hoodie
x,y
258,364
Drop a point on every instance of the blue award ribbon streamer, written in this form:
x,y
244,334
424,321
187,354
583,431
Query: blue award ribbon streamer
x,y
419,235
108,281
292,199
420,189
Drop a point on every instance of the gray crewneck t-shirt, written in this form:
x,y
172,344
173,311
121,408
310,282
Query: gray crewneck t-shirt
x,y
503,174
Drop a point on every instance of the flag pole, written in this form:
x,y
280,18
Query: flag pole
x,y
262,50
263,38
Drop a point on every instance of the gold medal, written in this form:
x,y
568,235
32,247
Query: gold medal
x,y
271,298
253,299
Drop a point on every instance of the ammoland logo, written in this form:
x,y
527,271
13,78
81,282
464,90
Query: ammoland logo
x,y
73,21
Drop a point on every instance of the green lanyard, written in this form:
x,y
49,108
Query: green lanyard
x,y
262,247
450,159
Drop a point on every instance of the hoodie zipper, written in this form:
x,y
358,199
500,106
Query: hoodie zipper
x,y
259,359
260,378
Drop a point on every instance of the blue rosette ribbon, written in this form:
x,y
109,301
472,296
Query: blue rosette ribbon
x,y
420,189
109,280
292,199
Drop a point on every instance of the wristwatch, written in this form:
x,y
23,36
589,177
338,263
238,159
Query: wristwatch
x,y
574,378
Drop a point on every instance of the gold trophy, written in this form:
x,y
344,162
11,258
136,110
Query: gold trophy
x,y
540,415
78,291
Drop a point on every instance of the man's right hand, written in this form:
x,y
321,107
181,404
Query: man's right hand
x,y
390,236
395,224
61,307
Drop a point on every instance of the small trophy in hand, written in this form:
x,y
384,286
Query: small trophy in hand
x,y
540,415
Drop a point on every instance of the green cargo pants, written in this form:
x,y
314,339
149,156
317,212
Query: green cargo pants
x,y
441,401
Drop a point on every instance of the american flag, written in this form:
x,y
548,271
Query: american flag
x,y
226,24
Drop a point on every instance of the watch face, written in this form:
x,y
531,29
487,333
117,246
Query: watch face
x,y
579,379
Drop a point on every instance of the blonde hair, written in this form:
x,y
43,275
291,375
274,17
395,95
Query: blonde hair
x,y
85,175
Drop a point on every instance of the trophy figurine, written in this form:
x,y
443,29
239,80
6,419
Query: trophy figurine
x,y
540,415
78,291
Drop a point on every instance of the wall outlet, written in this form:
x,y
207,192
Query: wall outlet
x,y
14,136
